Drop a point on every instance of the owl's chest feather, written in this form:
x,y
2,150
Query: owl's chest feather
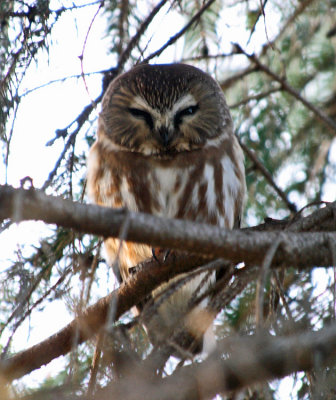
x,y
197,186
167,186
205,192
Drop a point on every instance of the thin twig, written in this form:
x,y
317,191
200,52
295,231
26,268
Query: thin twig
x,y
265,267
260,13
322,116
289,23
122,236
262,10
26,299
51,82
135,39
207,57
68,144
81,56
291,206
93,268
258,96
283,299
95,364
234,78
79,121
332,248
31,308
179,34
123,7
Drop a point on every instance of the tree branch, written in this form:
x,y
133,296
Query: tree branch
x,y
179,34
322,116
297,249
135,39
253,157
303,249
252,360
150,274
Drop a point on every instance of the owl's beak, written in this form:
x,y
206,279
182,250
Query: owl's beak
x,y
165,136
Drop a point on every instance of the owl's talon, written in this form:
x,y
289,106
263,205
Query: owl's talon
x,y
166,255
154,255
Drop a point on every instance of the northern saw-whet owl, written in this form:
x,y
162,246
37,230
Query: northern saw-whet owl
x,y
166,146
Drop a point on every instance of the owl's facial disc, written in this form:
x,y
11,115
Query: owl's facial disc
x,y
163,126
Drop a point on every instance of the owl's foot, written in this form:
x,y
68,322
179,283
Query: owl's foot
x,y
166,255
154,255
157,252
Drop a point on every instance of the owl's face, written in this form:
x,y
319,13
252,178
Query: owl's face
x,y
161,110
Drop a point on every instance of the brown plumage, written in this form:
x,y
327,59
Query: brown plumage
x,y
166,146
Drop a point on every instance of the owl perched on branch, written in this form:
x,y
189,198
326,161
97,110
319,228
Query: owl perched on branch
x,y
166,146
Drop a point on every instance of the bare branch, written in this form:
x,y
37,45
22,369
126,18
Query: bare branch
x,y
309,223
298,11
297,249
179,34
257,97
234,78
252,360
322,116
150,274
291,206
305,249
135,39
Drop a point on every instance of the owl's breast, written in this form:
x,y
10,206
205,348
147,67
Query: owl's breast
x,y
205,186
167,186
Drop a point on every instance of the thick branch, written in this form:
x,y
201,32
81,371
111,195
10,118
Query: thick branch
x,y
20,204
252,360
296,249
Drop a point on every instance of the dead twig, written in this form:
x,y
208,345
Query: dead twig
x,y
179,34
323,117
261,282
248,361
135,39
291,206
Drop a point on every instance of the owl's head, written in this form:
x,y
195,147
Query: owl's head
x,y
164,109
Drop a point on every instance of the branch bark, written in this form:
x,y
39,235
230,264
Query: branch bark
x,y
303,249
297,249
252,360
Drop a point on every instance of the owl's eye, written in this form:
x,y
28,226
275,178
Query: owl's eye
x,y
136,112
191,110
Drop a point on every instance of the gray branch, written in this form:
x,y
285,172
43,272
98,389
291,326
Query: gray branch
x,y
251,360
304,249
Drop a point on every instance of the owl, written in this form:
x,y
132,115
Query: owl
x,y
165,146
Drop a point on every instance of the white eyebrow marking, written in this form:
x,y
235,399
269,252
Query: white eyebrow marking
x,y
184,102
139,102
